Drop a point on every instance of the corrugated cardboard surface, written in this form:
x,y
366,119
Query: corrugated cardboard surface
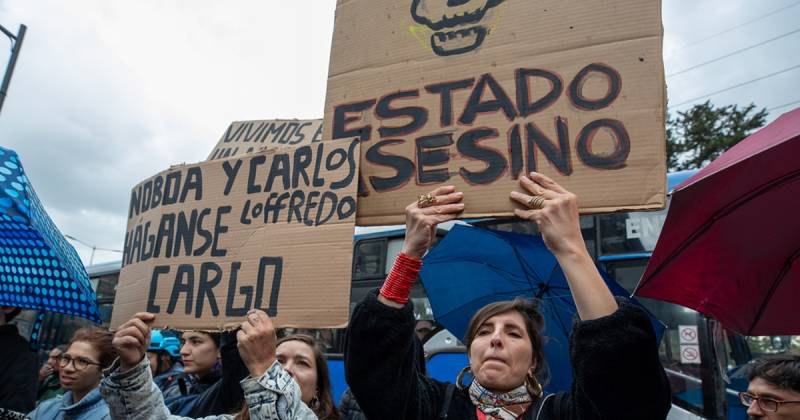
x,y
252,136
379,50
316,260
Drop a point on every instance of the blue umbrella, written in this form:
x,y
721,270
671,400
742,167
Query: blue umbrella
x,y
473,267
38,268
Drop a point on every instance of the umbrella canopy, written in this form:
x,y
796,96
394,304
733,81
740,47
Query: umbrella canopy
x,y
731,241
38,268
473,267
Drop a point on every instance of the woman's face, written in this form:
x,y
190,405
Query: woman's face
x,y
297,358
199,353
74,378
500,355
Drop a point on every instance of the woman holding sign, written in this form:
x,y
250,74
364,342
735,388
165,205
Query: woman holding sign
x,y
269,391
617,373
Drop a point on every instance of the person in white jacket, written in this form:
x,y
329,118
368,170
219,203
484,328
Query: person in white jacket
x,y
270,392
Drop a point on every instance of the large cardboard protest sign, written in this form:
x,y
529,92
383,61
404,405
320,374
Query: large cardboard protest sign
x,y
243,137
475,93
272,230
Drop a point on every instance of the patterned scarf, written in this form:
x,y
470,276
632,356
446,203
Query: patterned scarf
x,y
506,406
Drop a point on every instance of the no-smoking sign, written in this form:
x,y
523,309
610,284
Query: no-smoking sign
x,y
687,334
690,354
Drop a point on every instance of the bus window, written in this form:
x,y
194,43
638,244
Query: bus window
x,y
106,288
369,259
529,228
626,272
422,307
630,232
510,225
684,374
393,248
768,345
684,377
589,233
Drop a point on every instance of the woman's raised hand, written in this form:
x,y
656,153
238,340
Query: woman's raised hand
x,y
256,341
132,339
45,371
440,205
555,211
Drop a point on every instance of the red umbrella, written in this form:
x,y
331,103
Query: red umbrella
x,y
730,247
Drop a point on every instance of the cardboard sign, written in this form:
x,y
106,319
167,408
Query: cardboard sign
x,y
251,136
272,230
476,93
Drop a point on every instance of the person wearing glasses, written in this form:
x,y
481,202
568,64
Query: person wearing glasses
x,y
80,370
774,389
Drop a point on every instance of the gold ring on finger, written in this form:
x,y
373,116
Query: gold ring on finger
x,y
425,200
536,202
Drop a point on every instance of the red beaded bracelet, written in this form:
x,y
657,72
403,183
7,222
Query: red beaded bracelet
x,y
401,279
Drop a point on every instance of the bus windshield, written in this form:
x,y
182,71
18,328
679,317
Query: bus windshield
x,y
623,233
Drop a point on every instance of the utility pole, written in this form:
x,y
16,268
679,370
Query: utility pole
x,y
16,45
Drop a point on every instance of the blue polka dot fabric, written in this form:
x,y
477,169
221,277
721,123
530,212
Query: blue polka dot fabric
x,y
39,269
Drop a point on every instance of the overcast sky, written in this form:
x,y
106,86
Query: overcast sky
x,y
107,93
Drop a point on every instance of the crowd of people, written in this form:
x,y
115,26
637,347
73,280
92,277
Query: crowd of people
x,y
137,372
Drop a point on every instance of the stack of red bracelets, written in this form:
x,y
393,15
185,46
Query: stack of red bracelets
x,y
398,284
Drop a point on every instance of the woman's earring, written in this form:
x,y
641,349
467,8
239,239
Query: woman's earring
x,y
460,377
314,403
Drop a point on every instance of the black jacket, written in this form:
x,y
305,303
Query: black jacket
x,y
617,373
224,396
215,393
349,408
18,371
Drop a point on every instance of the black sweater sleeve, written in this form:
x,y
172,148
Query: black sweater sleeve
x,y
616,370
381,364
225,396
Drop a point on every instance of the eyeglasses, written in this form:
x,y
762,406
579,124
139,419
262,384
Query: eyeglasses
x,y
765,403
80,363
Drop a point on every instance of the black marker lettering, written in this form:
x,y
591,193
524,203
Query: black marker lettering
x,y
468,146
151,297
622,145
247,291
403,166
445,92
184,283
431,151
230,173
341,120
205,288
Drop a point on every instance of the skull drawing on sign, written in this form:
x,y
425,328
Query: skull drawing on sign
x,y
457,24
